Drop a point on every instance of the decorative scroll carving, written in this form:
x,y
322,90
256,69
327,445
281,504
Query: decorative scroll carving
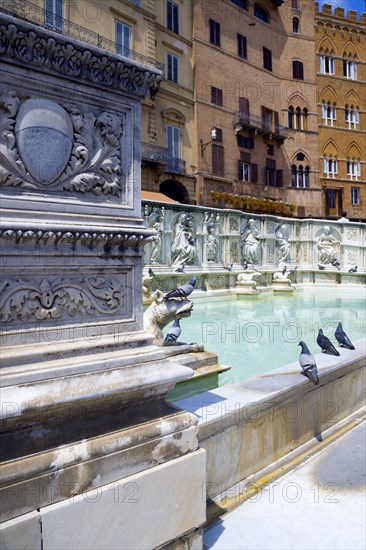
x,y
60,238
22,43
234,224
351,234
234,252
94,164
25,299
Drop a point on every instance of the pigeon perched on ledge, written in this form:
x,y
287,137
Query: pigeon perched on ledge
x,y
342,337
325,344
336,263
174,332
151,273
308,364
321,267
284,270
293,271
182,291
353,269
180,269
228,267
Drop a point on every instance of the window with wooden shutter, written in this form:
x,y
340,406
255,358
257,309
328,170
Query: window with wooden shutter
x,y
279,178
254,173
244,110
242,46
298,70
216,96
276,121
172,16
215,33
123,39
267,59
217,160
54,13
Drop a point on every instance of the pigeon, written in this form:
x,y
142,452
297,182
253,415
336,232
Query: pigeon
x,y
353,269
180,269
228,267
308,364
293,271
342,338
325,344
321,267
151,273
245,265
182,291
174,332
336,263
284,270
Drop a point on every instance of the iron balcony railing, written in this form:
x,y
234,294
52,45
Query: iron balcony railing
x,y
244,121
154,153
26,11
175,165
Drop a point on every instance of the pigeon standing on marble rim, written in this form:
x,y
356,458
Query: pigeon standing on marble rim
x,y
308,364
342,337
182,291
325,344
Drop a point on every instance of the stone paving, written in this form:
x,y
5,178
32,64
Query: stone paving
x,y
319,505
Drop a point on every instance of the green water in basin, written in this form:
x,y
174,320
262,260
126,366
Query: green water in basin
x,y
256,334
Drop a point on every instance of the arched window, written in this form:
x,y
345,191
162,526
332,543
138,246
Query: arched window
x,y
330,166
300,176
295,25
261,13
350,68
351,116
298,70
353,169
297,118
326,61
329,113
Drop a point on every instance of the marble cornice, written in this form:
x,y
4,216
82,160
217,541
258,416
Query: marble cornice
x,y
32,46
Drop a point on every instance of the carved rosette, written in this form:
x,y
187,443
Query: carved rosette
x,y
44,145
25,299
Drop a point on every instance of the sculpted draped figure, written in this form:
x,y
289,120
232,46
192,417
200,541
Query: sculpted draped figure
x,y
251,246
328,246
212,242
283,245
158,225
184,243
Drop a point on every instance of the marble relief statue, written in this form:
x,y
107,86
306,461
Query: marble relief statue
x,y
283,246
184,242
158,225
328,247
212,242
251,247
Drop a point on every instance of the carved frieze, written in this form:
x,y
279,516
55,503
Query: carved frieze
x,y
27,299
234,252
23,43
233,224
44,145
351,234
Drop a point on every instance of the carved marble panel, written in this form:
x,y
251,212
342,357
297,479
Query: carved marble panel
x,y
234,224
48,146
72,296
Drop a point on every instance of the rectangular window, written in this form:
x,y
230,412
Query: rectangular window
x,y
54,15
298,70
172,67
330,167
267,59
216,96
172,16
173,147
350,69
331,199
242,46
355,195
353,169
326,64
218,135
123,39
218,160
244,171
240,3
270,149
329,113
215,33
245,141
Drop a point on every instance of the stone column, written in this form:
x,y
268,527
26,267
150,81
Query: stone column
x,y
92,455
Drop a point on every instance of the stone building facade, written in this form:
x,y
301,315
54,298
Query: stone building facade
x,y
248,96
254,82
340,43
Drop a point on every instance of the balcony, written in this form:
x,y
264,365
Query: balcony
x,y
26,11
175,165
153,153
258,125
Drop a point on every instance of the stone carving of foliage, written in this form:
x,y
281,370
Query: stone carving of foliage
x,y
351,234
26,299
352,257
234,252
24,45
94,165
234,224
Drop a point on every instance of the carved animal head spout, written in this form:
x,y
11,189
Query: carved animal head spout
x,y
162,312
